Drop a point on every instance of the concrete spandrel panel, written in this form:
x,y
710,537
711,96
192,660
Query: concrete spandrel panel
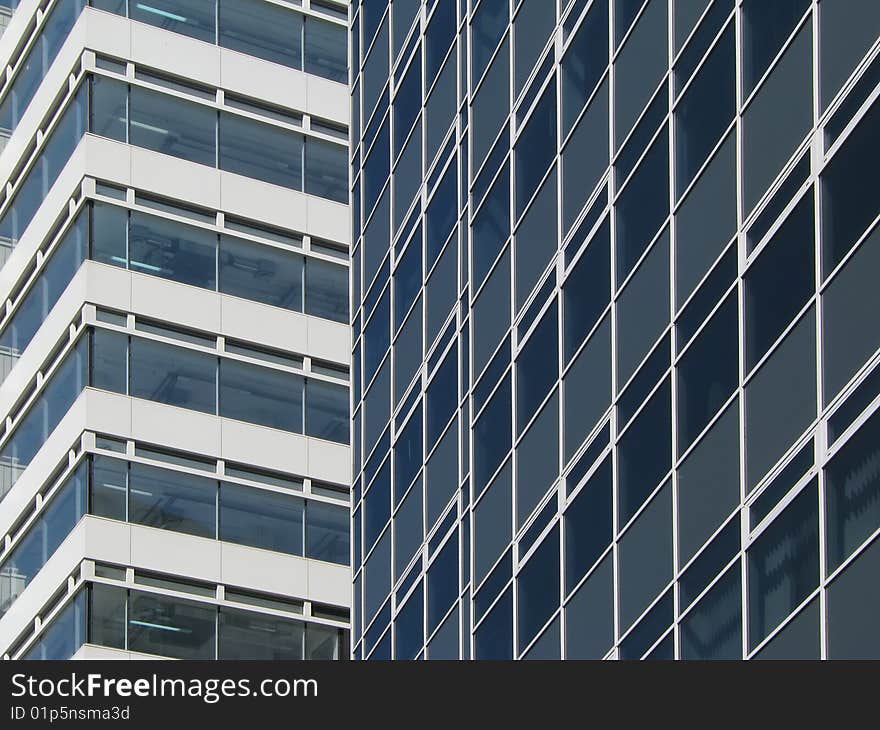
x,y
179,428
190,58
174,553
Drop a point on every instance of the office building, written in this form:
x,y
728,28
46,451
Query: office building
x,y
174,345
614,328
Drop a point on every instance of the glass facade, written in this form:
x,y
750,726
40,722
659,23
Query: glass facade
x,y
157,246
188,378
614,348
191,130
257,28
155,496
207,415
148,622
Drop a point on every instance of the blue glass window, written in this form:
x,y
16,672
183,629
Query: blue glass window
x,y
167,374
261,395
261,519
172,501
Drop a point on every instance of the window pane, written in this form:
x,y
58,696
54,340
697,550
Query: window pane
x,y
492,523
438,37
587,290
407,281
172,251
643,309
408,528
327,532
408,351
849,305
492,435
444,643
639,66
407,103
65,635
705,111
853,493
645,452
643,206
109,488
172,501
589,616
848,207
109,361
538,594
326,50
772,301
375,68
194,18
109,108
588,525
648,630
853,605
408,454
799,640
713,630
708,484
377,506
846,31
170,627
646,557
493,638
584,63
488,25
327,415
325,642
625,12
261,273
535,240
535,149
706,220
441,399
377,336
440,215
783,565
537,459
708,373
248,635
261,519
442,582
263,30
167,374
781,399
585,157
537,368
587,388
442,474
22,565
777,118
260,395
532,27
702,571
766,26
491,313
687,13
261,151
490,106
440,108
327,170
169,125
107,615
109,234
